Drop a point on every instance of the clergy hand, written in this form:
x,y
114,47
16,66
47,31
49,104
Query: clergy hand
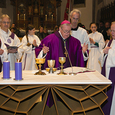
x,y
34,43
106,50
1,51
45,49
12,50
85,47
91,41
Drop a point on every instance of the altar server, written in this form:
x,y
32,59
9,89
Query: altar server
x,y
9,39
79,32
97,44
54,45
3,53
108,70
29,42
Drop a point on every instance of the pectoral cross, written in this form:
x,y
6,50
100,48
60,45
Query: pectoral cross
x,y
65,53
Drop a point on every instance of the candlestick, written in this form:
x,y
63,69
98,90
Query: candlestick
x,y
18,17
6,70
24,17
18,70
45,17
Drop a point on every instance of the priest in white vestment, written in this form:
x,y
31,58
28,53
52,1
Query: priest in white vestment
x,y
29,42
79,33
97,43
10,39
108,56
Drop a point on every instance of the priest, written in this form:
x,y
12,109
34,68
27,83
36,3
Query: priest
x,y
61,44
108,70
10,39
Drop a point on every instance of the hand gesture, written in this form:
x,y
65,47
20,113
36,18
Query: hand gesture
x,y
34,43
1,51
85,47
45,49
106,49
91,41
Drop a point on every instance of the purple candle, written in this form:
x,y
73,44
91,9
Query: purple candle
x,y
18,70
6,70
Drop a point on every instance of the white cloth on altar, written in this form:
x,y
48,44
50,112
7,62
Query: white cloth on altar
x,y
82,35
12,57
95,52
28,59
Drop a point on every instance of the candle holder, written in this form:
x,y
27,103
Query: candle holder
x,y
62,60
40,61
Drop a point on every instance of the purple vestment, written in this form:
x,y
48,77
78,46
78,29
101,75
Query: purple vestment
x,y
107,105
56,49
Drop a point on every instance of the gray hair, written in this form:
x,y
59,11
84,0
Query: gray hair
x,y
75,10
5,15
113,22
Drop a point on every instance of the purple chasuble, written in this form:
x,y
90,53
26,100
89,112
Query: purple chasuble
x,y
56,49
107,105
0,59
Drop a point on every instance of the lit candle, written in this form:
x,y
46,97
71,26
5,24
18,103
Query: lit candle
x,y
18,16
6,70
18,70
52,17
24,17
45,17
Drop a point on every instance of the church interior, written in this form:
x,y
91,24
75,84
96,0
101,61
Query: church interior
x,y
54,63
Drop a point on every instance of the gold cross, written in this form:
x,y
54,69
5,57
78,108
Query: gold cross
x,y
65,53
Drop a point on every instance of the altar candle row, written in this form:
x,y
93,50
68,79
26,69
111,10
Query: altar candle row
x,y
18,70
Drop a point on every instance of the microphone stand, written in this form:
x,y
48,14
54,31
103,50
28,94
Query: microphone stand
x,y
69,59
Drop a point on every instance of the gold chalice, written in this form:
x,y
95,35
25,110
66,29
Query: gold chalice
x,y
40,61
62,61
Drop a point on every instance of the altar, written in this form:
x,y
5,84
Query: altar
x,y
81,94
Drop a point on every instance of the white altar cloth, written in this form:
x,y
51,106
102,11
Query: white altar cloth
x,y
93,77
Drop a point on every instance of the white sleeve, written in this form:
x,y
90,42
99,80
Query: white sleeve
x,y
111,58
40,55
4,56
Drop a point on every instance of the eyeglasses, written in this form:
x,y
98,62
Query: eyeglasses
x,y
67,32
112,30
6,22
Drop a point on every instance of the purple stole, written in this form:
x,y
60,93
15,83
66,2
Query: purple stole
x,y
107,105
0,59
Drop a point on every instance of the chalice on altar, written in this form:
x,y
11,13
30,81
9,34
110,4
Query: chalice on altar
x,y
40,61
51,68
62,60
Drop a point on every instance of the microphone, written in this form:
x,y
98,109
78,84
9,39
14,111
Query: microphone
x,y
67,55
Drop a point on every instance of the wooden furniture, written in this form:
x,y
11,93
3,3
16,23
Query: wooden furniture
x,y
82,94
36,12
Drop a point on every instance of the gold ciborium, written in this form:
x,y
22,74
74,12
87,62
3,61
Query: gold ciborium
x,y
62,61
40,61
51,68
